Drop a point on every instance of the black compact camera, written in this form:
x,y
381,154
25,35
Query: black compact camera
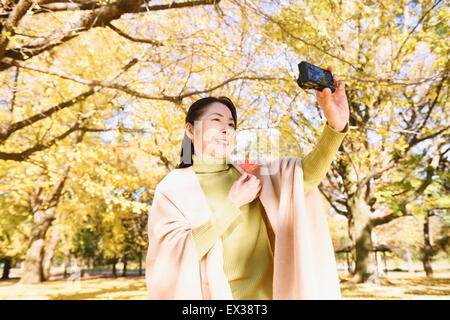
x,y
313,77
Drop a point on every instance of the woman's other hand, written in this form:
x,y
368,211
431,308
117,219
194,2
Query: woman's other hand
x,y
245,189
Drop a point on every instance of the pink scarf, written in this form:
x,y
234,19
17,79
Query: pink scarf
x,y
304,262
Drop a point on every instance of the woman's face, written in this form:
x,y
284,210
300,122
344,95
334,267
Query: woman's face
x,y
214,133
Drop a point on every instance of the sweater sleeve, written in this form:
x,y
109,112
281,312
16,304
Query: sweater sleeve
x,y
206,235
316,163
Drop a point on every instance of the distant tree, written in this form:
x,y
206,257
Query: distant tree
x,y
395,65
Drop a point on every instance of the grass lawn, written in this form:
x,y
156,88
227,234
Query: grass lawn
x,y
396,286
401,286
85,289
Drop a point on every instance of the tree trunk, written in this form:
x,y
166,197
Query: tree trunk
x,y
140,263
124,270
428,249
49,253
82,267
33,271
409,260
43,211
362,240
66,262
6,267
351,235
114,272
377,255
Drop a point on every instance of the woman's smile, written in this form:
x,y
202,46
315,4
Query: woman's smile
x,y
221,141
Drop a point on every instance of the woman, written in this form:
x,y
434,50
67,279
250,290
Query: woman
x,y
217,232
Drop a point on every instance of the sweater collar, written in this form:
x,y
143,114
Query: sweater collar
x,y
208,164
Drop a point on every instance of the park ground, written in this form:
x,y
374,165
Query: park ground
x,y
397,285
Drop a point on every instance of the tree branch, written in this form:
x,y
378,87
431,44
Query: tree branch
x,y
420,189
433,104
163,158
5,133
41,115
89,5
416,140
119,128
21,156
125,88
98,17
259,78
376,173
414,29
8,26
309,44
344,213
65,5
56,194
177,5
384,219
88,82
123,34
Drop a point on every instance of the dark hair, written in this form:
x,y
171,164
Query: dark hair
x,y
196,110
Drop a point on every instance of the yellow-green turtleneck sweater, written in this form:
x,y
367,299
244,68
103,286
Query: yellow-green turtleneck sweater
x,y
247,253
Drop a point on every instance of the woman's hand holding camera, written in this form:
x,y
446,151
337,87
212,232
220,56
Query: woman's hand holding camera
x,y
334,105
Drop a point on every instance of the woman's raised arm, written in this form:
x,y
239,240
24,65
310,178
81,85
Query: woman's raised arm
x,y
316,163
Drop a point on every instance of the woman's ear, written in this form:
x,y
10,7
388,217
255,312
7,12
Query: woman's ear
x,y
190,131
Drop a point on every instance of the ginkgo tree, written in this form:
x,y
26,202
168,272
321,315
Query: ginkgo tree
x,y
122,75
73,71
395,65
